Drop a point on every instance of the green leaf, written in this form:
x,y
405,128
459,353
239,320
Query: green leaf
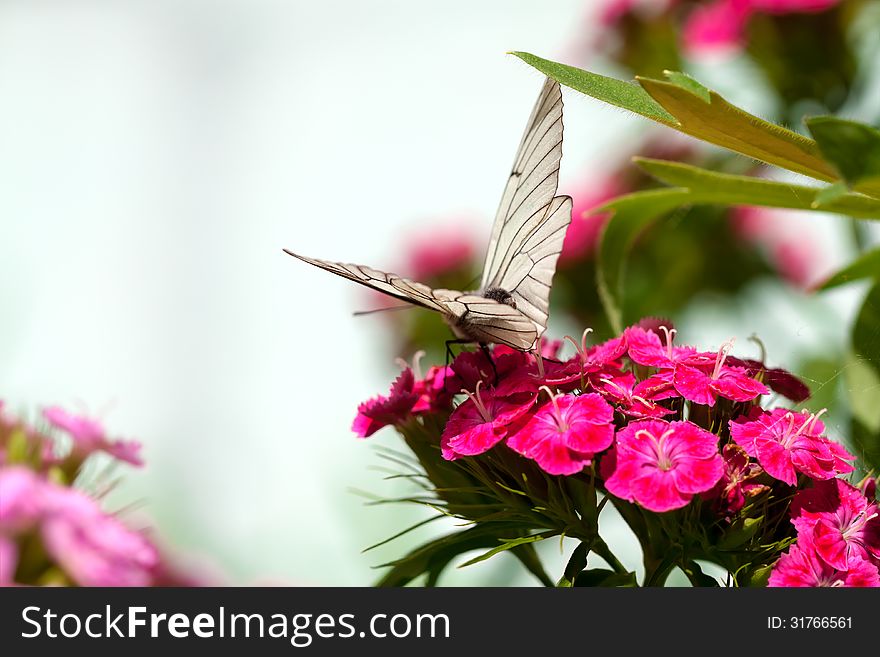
x,y
632,214
853,148
739,533
710,187
863,381
626,95
718,122
682,103
507,545
605,578
866,265
576,563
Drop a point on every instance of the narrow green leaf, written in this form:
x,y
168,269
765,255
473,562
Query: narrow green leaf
x,y
853,148
863,380
866,265
626,95
576,563
710,187
507,545
685,81
632,214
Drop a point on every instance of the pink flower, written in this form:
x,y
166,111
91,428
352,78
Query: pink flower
x,y
648,348
380,411
438,251
700,380
736,484
718,26
8,561
841,522
482,421
786,443
89,436
634,398
564,435
662,465
91,547
801,566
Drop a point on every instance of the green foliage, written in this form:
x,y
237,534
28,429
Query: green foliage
x,y
866,265
853,148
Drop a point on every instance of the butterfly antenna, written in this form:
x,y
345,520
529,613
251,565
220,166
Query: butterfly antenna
x,y
359,313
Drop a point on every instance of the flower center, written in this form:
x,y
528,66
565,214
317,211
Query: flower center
x,y
665,457
478,403
561,423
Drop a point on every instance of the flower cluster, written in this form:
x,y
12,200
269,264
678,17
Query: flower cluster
x,y
653,424
52,533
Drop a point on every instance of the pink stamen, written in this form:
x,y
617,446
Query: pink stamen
x,y
664,460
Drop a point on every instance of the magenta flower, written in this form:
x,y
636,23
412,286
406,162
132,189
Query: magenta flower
x,y
381,411
662,465
89,436
700,380
20,499
786,443
480,422
737,483
801,566
634,398
564,435
648,348
842,523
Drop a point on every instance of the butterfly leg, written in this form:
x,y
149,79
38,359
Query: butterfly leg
x,y
488,355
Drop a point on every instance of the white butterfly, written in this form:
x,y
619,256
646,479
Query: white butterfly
x,y
512,304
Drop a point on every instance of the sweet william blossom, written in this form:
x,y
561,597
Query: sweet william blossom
x,y
481,422
699,379
843,524
802,567
662,465
564,434
89,436
785,443
380,411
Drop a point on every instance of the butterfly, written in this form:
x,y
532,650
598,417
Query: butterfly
x,y
512,305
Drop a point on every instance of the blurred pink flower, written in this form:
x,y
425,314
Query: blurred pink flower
x,y
91,547
8,561
717,27
564,435
790,250
662,465
720,26
89,436
438,250
583,232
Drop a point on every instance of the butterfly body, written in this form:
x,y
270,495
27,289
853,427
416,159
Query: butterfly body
x,y
512,305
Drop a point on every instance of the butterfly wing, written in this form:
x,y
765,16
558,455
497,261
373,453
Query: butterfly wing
x,y
531,222
470,316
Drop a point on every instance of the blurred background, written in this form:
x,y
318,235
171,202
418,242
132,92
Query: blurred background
x,y
156,156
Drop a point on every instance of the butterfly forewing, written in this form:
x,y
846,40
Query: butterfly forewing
x,y
531,185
